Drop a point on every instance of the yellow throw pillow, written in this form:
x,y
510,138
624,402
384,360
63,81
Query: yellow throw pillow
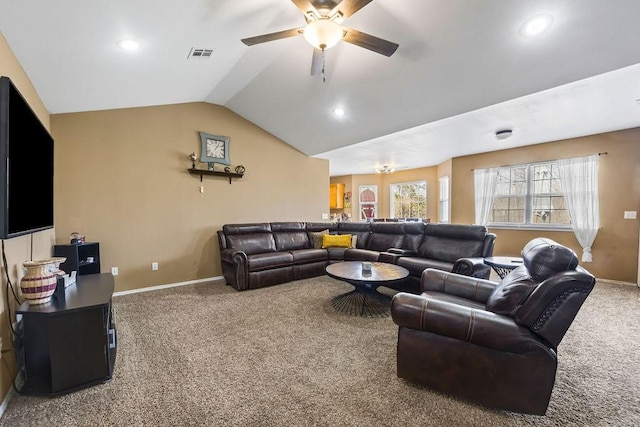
x,y
336,241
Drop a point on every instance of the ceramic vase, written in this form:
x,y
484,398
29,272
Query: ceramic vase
x,y
40,279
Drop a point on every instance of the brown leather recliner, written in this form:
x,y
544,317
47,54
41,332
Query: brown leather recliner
x,y
492,343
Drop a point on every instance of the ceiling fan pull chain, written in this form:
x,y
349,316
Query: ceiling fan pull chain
x,y
324,80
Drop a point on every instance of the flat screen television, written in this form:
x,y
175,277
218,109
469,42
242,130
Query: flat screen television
x,y
26,166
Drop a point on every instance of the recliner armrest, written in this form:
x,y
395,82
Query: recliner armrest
x,y
466,287
479,327
474,267
233,256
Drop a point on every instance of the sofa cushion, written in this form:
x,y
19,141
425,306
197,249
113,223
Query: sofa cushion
x,y
385,235
338,240
303,256
511,292
291,240
417,265
354,254
360,229
268,261
449,249
336,254
252,243
544,257
414,233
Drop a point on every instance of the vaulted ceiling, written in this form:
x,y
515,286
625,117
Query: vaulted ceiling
x,y
464,69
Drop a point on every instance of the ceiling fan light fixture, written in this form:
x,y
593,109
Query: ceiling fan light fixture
x,y
384,169
323,33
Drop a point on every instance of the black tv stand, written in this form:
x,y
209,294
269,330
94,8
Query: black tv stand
x,y
68,343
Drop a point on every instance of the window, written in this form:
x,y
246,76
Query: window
x,y
443,203
409,200
368,197
530,195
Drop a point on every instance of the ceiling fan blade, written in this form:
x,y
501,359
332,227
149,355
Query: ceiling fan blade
x,y
349,7
317,62
367,41
306,7
272,36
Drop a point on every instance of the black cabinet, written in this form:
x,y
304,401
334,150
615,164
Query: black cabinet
x,y
68,343
82,257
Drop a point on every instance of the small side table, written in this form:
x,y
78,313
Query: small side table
x,y
503,264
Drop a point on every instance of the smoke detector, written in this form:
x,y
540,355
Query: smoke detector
x,y
503,134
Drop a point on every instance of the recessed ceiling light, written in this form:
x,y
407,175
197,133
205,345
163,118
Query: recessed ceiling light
x,y
536,25
128,44
339,111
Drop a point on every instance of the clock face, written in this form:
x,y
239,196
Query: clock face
x,y
215,149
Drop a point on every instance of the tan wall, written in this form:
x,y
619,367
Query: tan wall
x,y
121,180
615,250
18,249
383,181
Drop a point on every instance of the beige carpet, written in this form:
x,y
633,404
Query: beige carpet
x,y
282,356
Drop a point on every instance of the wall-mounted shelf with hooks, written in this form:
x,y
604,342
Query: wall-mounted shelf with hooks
x,y
230,175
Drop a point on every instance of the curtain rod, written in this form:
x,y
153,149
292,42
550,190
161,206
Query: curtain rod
x,y
604,153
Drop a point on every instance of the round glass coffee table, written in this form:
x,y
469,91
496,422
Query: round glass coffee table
x,y
365,300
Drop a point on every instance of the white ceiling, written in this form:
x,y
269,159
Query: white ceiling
x,y
462,71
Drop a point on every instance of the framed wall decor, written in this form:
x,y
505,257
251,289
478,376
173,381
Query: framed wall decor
x,y
215,149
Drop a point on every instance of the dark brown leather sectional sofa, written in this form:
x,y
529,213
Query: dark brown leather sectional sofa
x,y
263,254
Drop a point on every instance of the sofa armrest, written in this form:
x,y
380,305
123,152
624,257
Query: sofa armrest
x,y
467,287
474,267
388,257
235,268
233,256
479,327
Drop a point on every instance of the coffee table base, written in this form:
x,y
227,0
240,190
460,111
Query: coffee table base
x,y
362,303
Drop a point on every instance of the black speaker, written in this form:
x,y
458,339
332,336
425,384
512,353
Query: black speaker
x,y
59,292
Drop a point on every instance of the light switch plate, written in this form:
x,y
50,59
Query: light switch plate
x,y
630,214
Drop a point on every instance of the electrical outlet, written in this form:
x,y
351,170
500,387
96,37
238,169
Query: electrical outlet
x,y
114,271
325,216
154,266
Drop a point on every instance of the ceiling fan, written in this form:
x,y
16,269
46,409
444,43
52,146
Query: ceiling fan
x,y
323,30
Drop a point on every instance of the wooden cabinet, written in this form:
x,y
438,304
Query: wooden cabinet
x,y
336,196
70,342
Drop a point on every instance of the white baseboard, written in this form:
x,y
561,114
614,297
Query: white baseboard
x,y
170,285
617,282
12,391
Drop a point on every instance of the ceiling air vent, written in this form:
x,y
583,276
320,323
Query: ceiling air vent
x,y
198,53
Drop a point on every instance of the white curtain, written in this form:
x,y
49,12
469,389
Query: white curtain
x,y
485,183
579,178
